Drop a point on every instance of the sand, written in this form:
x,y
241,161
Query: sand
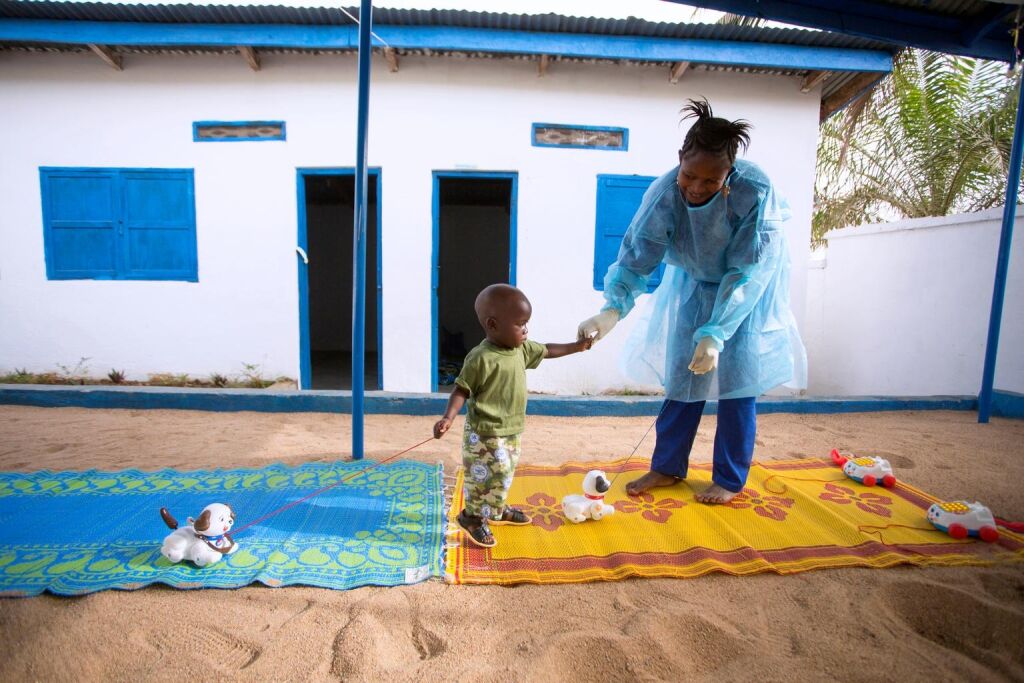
x,y
902,624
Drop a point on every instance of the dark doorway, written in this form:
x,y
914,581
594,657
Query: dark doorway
x,y
329,220
474,244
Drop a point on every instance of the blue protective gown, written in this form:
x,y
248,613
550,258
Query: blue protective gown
x,y
727,277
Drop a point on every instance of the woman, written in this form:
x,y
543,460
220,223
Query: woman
x,y
720,324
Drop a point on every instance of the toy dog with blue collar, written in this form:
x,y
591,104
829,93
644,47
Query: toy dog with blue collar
x,y
205,540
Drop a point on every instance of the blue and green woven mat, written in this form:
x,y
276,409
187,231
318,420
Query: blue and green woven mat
x,y
79,532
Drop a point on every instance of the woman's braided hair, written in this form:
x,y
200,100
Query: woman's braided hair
x,y
713,135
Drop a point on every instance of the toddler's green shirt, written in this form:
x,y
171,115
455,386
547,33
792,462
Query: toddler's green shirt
x,y
496,381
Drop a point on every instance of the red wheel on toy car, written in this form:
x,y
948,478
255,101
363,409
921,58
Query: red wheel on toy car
x,y
989,534
958,531
888,481
870,480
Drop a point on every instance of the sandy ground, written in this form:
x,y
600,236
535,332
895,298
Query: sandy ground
x,y
902,624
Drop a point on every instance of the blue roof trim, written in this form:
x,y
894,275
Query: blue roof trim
x,y
451,38
333,16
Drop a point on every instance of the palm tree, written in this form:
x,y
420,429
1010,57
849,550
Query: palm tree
x,y
931,139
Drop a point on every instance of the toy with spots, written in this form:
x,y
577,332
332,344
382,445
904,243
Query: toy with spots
x,y
867,470
591,504
961,519
204,540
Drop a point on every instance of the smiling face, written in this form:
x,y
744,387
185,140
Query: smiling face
x,y
701,176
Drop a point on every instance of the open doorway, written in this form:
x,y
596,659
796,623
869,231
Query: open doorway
x,y
326,198
474,246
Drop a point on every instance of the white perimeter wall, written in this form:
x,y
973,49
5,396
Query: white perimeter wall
x,y
903,308
434,114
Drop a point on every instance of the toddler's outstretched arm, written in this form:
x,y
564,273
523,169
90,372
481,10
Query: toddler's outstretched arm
x,y
455,403
559,350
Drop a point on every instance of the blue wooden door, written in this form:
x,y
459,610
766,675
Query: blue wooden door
x,y
618,199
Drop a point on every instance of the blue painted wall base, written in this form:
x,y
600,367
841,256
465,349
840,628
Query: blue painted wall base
x,y
1008,404
388,403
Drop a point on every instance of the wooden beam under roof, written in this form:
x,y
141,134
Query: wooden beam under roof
x,y
392,56
812,79
856,86
677,71
108,55
250,56
542,65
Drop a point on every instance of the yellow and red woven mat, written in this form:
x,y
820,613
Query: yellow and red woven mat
x,y
793,516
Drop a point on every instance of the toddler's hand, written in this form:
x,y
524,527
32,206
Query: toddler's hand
x,y
586,344
441,427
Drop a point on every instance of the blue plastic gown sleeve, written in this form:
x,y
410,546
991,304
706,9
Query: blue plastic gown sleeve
x,y
752,259
643,248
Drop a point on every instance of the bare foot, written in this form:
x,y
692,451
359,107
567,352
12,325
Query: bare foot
x,y
651,480
715,495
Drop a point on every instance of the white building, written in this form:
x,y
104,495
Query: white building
x,y
138,233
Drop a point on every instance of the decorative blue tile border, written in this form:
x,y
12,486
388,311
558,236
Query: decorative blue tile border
x,y
196,125
608,129
388,403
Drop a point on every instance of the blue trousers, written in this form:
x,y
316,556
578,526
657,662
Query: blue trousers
x,y
676,429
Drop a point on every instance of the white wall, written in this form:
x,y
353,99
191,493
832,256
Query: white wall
x,y
435,113
903,308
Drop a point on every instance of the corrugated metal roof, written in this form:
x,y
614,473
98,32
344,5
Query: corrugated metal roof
x,y
555,23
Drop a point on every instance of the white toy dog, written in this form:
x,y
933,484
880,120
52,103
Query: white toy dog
x,y
591,504
205,540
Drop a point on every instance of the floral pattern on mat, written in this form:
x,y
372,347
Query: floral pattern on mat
x,y
792,516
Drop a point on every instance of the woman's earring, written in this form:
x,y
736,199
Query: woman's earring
x,y
725,191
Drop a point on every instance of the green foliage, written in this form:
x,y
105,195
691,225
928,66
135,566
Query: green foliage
x,y
930,140
19,376
78,373
168,379
252,376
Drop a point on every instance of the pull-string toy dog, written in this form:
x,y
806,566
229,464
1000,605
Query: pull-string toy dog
x,y
196,544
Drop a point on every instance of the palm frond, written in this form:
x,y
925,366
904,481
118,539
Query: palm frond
x,y
930,139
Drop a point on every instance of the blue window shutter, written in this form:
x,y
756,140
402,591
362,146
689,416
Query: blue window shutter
x,y
80,210
159,225
119,223
618,199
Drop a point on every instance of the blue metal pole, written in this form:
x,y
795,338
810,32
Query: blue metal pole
x,y
1002,261
359,233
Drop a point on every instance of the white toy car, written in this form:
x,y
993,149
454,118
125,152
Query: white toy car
x,y
868,470
961,519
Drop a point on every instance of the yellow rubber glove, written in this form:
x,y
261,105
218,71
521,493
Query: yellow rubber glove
x,y
705,357
597,326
